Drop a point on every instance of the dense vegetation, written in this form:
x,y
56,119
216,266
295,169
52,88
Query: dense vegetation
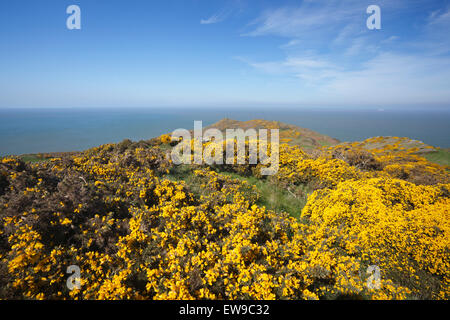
x,y
140,227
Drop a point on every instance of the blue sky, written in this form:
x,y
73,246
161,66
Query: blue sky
x,y
224,53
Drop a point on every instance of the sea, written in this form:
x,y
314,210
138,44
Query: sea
x,y
43,130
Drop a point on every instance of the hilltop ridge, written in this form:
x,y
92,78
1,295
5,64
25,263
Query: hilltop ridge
x,y
307,139
291,134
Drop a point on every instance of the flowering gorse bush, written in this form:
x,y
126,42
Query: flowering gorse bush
x,y
140,227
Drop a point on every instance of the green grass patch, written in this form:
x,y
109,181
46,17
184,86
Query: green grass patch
x,y
442,157
33,158
271,196
185,172
275,198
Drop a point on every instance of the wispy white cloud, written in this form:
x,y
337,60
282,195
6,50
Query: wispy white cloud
x,y
312,70
440,17
387,78
316,16
361,45
435,34
213,19
341,60
291,43
390,78
391,39
347,31
230,8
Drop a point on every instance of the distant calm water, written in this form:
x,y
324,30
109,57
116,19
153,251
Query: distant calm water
x,y
52,130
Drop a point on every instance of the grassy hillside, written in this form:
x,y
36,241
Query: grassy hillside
x,y
293,135
38,157
441,156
